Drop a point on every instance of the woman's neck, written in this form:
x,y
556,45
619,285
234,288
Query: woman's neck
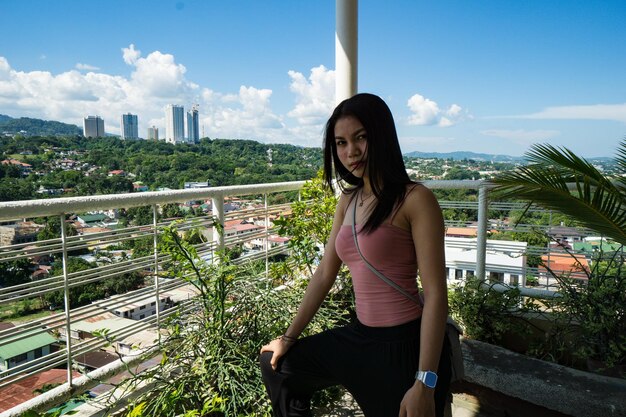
x,y
367,186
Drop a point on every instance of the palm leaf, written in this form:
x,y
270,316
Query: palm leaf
x,y
558,179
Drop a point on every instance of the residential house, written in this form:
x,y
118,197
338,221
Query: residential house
x,y
135,308
563,264
19,232
92,219
36,344
25,169
505,261
26,389
140,187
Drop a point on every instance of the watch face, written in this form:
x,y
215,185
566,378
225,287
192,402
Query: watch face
x,y
430,379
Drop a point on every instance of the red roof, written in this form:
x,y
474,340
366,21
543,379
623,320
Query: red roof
x,y
461,231
22,391
16,162
243,227
566,264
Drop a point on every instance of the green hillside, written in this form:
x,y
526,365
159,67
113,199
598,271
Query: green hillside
x,y
37,127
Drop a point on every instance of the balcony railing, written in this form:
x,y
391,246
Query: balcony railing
x,y
66,334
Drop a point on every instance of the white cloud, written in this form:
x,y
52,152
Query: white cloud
x,y
426,112
315,97
521,136
130,54
614,112
86,67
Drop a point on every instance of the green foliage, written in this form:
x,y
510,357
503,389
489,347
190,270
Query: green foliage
x,y
12,189
14,272
138,216
210,359
596,307
156,164
310,223
458,214
52,229
483,312
597,201
38,126
84,294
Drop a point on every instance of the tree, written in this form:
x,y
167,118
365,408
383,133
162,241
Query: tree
x,y
140,215
597,201
14,272
598,303
52,230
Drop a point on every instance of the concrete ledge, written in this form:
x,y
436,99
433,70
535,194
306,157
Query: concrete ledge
x,y
554,387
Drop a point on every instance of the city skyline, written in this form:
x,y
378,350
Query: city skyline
x,y
458,76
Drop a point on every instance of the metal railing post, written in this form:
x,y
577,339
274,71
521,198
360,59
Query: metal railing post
x,y
267,239
66,298
481,238
156,270
217,204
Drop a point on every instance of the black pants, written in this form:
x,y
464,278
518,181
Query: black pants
x,y
376,365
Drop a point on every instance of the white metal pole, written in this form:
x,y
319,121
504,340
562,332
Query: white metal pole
x,y
481,239
66,297
218,214
155,244
346,49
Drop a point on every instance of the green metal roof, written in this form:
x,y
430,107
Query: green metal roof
x,y
593,245
90,218
26,344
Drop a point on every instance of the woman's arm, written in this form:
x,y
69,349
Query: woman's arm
x,y
428,232
319,285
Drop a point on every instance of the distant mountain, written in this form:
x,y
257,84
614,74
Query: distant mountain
x,y
37,127
460,155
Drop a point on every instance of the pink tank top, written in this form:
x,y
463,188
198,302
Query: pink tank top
x,y
391,251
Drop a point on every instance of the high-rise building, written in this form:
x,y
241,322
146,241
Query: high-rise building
x,y
129,127
93,127
193,125
174,124
153,133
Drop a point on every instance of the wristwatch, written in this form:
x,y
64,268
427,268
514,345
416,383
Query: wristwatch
x,y
428,378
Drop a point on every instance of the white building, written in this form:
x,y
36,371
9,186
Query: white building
x,y
93,127
505,260
135,308
174,124
193,125
129,127
153,133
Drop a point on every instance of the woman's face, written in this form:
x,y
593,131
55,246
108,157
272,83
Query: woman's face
x,y
351,142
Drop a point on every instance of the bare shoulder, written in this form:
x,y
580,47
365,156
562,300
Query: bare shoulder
x,y
419,204
420,197
342,205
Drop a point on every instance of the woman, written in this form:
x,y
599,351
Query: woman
x,y
399,226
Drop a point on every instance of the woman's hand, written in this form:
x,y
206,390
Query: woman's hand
x,y
279,347
418,401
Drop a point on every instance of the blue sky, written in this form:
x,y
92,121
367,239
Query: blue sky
x,y
484,76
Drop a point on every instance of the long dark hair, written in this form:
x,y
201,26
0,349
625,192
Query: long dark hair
x,y
385,165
